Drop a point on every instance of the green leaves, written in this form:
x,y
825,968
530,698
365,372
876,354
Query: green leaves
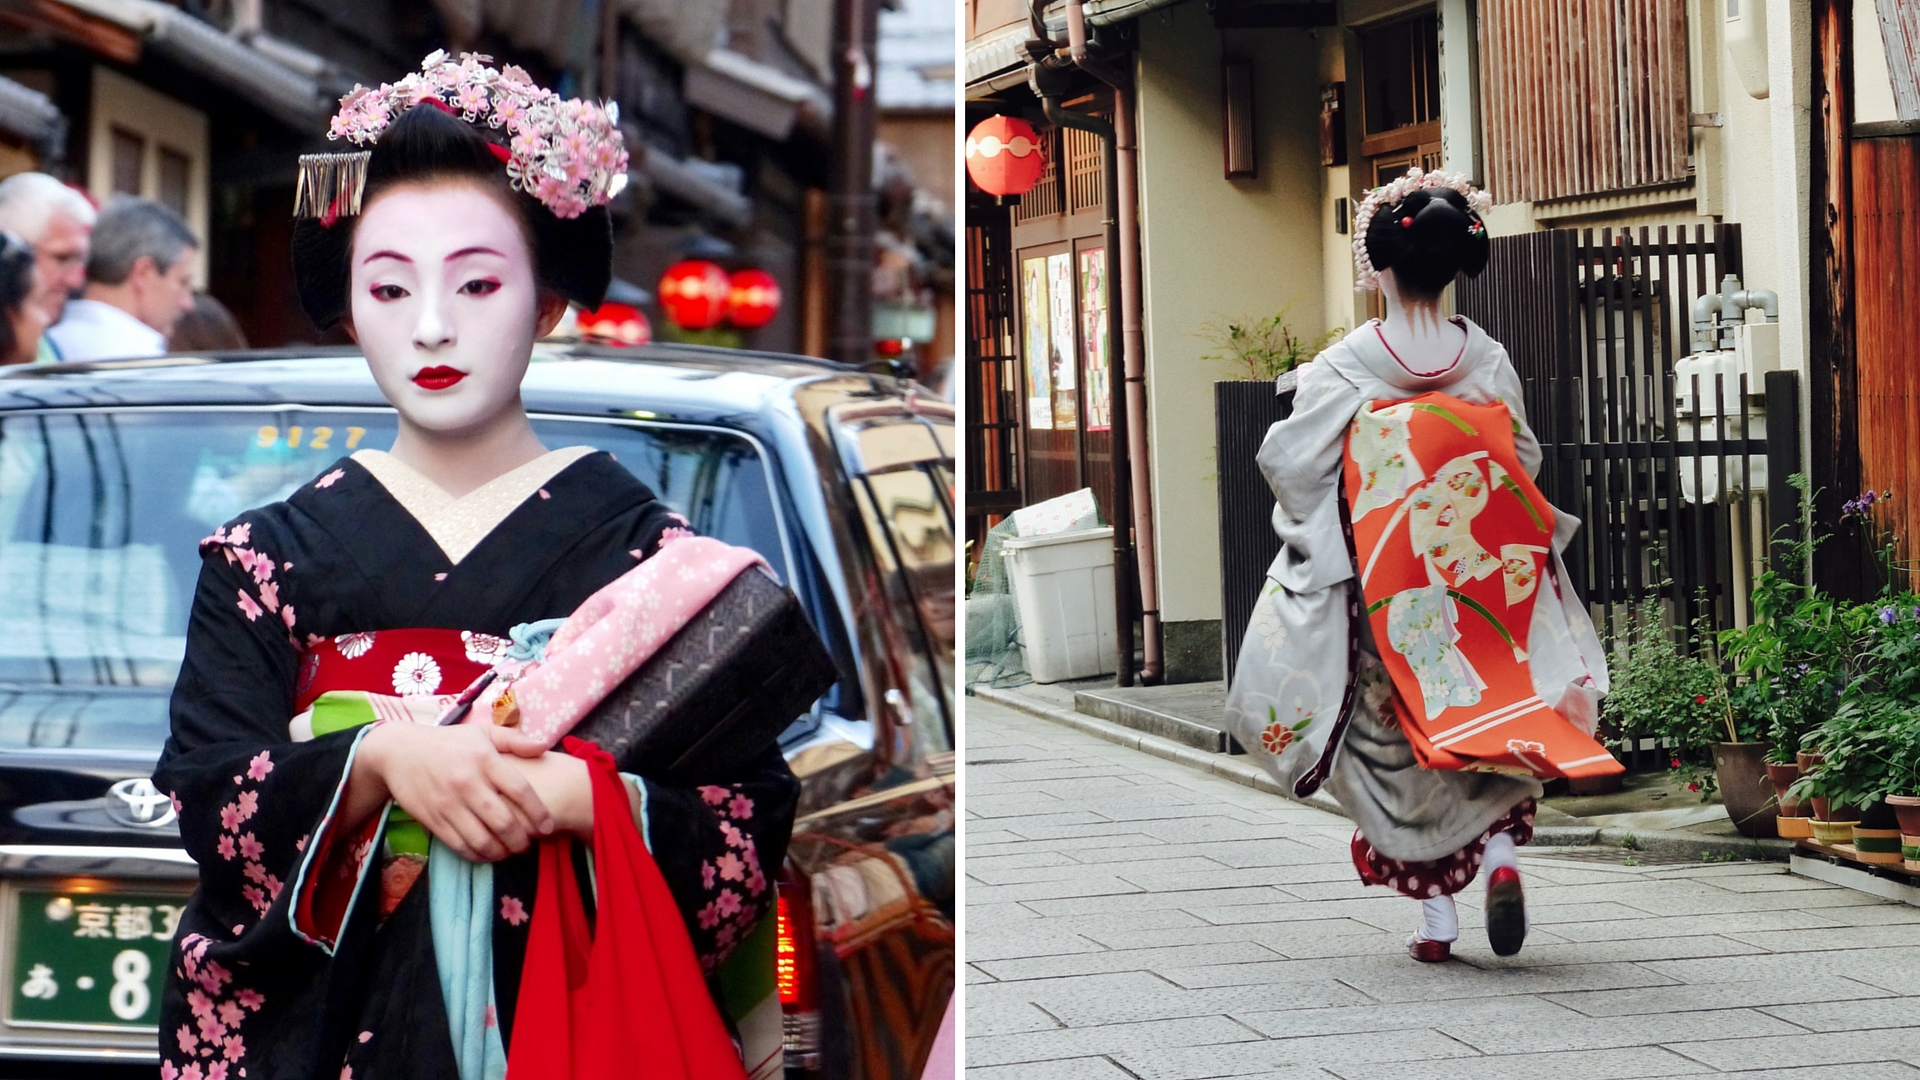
x,y
1265,347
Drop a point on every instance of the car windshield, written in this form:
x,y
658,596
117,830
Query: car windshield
x,y
101,514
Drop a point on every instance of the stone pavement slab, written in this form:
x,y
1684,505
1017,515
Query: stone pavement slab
x,y
1131,917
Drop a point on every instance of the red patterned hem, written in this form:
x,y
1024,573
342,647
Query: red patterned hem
x,y
1443,876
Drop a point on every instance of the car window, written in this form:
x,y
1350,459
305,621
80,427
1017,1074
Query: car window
x,y
904,490
101,514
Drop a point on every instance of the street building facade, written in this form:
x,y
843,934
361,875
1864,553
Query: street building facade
x,y
1638,155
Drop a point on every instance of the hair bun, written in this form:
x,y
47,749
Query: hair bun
x,y
1445,239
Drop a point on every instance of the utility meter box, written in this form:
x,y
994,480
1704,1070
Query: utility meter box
x,y
1708,406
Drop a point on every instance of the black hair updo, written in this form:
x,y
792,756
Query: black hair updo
x,y
1428,239
572,257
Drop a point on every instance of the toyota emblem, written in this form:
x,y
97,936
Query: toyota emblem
x,y
135,802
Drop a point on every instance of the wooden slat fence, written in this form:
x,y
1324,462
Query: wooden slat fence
x,y
1580,97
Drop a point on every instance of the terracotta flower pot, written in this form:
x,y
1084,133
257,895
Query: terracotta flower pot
x,y
1877,846
1741,771
1782,778
1906,810
1807,759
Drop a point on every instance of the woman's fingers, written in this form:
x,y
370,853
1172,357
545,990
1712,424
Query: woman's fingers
x,y
479,842
517,790
511,741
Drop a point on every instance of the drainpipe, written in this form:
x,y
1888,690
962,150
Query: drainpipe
x,y
1132,343
851,204
1121,500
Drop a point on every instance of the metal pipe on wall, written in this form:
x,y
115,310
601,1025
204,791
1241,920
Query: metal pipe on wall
x,y
1132,341
851,203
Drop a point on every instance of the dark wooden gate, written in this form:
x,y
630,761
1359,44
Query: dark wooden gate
x,y
1595,322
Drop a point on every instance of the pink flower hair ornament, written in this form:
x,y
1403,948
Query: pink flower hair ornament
x,y
1365,279
565,152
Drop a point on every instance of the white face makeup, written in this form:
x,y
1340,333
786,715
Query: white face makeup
x,y
444,304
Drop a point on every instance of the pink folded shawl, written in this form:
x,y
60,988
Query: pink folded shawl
x,y
618,628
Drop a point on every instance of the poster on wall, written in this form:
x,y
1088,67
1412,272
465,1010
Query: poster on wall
x,y
1066,397
1093,332
1039,347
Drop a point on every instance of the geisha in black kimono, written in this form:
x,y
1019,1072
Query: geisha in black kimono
x,y
367,878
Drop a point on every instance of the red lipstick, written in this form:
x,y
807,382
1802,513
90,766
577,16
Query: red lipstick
x,y
437,378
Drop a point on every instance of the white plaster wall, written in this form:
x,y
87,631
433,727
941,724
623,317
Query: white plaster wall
x,y
1215,249
1336,183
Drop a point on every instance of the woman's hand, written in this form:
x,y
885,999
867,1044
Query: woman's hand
x,y
564,785
460,782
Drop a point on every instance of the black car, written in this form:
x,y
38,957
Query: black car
x,y
111,472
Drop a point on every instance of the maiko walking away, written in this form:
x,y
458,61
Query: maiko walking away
x,y
1409,519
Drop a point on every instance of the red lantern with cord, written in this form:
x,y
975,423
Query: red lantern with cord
x,y
1005,155
694,294
753,299
615,324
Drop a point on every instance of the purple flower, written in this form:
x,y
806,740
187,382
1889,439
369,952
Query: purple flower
x,y
1888,615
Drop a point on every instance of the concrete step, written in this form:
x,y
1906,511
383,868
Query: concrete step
x,y
1192,714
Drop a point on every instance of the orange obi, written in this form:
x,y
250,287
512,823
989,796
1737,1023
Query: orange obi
x,y
1451,541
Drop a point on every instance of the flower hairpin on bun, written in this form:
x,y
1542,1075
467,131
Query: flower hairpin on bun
x,y
1365,279
565,152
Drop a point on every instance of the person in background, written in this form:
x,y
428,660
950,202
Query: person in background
x,y
55,221
139,284
207,327
21,320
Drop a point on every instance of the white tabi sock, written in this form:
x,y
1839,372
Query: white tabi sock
x,y
1439,919
1500,852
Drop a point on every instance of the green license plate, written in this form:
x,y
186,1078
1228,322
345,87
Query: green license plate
x,y
91,958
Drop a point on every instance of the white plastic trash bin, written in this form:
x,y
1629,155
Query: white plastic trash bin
x,y
1063,588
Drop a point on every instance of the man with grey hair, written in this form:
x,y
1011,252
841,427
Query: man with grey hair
x,y
139,283
56,220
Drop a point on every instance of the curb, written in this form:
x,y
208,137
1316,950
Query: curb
x,y
1659,843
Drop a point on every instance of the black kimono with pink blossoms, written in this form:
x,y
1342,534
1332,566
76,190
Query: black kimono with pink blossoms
x,y
252,994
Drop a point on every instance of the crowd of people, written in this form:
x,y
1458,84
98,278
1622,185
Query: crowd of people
x,y
80,282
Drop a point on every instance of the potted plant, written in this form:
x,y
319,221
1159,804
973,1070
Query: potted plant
x,y
1258,352
1682,701
1906,783
1849,784
1791,664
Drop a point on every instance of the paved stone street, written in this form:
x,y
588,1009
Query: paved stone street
x,y
1131,917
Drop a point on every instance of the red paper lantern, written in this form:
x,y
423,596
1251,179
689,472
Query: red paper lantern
x,y
615,324
1004,156
694,294
753,300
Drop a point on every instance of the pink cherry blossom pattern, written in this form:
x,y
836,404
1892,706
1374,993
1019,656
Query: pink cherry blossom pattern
x,y
712,795
230,818
260,766
250,847
249,802
741,808
730,867
248,606
707,871
225,847
513,911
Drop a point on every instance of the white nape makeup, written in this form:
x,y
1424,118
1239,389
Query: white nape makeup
x,y
446,306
